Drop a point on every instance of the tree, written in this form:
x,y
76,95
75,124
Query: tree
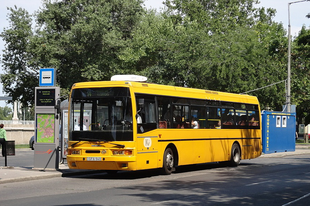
x,y
18,79
81,39
5,113
301,74
219,45
211,44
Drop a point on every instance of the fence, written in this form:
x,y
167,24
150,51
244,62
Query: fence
x,y
19,131
12,122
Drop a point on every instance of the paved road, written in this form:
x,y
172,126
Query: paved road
x,y
269,180
23,158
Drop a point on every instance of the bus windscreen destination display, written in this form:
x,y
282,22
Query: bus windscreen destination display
x,y
45,97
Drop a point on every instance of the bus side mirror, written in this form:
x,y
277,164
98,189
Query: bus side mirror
x,y
141,103
57,106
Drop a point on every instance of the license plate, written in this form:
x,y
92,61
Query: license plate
x,y
93,158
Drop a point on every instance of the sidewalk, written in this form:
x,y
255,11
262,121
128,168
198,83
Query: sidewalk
x,y
299,149
18,174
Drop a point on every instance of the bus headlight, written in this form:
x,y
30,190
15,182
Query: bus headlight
x,y
122,152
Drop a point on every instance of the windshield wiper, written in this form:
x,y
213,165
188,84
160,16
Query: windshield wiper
x,y
80,139
75,143
119,145
99,140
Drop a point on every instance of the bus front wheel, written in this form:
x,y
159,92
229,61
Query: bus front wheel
x,y
235,155
168,162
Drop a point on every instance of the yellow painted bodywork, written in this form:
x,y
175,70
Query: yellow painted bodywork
x,y
193,146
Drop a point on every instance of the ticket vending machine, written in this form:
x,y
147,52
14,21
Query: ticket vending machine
x,y
47,116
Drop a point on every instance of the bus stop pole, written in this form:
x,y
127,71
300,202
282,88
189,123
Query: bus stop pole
x,y
5,155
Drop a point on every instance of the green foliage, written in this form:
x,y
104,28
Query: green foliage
x,y
19,79
301,74
81,39
26,113
219,45
211,44
6,113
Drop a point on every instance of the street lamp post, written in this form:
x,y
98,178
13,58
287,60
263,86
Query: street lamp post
x,y
288,95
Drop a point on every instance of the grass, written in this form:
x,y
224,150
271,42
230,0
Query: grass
x,y
21,146
301,141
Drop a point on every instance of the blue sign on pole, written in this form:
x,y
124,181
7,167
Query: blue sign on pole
x,y
47,77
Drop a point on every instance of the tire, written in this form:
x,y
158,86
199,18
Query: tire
x,y
168,162
235,155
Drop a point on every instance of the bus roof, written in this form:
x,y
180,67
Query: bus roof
x,y
167,90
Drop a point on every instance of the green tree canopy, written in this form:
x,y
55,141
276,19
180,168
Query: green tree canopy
x,y
5,113
19,78
81,39
301,74
219,45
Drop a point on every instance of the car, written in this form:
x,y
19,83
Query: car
x,y
31,143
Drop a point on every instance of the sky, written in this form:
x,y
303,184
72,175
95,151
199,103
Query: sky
x,y
298,11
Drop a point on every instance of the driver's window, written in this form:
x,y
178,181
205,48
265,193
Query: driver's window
x,y
127,113
146,111
146,115
102,117
81,116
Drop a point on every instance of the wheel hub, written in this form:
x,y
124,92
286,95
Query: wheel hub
x,y
169,160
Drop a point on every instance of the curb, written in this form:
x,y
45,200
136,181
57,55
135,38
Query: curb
x,y
34,177
48,174
298,151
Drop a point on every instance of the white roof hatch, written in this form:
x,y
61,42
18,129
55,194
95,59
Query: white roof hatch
x,y
129,77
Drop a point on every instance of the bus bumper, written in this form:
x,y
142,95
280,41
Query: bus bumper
x,y
101,163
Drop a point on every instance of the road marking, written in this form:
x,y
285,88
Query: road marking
x,y
297,199
257,183
170,202
162,202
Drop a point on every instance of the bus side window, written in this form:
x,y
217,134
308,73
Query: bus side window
x,y
241,118
228,118
163,112
253,118
214,118
243,121
177,121
146,118
199,113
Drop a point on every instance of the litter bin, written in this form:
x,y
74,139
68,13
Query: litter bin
x,y
10,148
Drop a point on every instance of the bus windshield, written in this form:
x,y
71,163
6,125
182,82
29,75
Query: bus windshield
x,y
101,114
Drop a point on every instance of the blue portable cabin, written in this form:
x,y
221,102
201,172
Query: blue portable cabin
x,y
278,131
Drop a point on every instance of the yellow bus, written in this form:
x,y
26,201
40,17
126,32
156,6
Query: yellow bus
x,y
130,125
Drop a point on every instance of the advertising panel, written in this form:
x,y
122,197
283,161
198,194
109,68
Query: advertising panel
x,y
45,128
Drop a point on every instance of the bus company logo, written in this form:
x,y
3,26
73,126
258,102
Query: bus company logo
x,y
147,142
49,151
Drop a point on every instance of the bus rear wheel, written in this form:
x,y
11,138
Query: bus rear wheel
x,y
235,155
168,162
